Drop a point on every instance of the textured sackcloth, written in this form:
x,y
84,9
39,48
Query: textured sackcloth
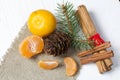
x,y
16,67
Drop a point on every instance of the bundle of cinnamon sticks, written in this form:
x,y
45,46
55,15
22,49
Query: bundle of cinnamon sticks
x,y
99,53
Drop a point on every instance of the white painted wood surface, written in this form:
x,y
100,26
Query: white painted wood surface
x,y
105,13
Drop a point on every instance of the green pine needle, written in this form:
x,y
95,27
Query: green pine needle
x,y
68,22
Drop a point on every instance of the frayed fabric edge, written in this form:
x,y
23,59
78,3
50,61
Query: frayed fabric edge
x,y
13,43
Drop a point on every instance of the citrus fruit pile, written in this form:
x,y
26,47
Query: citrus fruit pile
x,y
40,23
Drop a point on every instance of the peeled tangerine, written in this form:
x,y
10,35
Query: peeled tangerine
x,y
31,46
71,66
48,64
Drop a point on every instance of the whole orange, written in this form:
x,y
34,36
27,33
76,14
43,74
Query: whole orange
x,y
41,22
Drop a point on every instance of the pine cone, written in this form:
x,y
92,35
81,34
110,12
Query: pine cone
x,y
57,43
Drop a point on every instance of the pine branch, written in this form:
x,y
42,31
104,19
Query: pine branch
x,y
69,24
67,18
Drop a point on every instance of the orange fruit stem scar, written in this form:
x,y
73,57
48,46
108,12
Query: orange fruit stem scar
x,y
71,66
48,64
31,46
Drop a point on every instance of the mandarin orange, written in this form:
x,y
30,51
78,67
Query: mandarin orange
x,y
48,64
31,46
71,66
41,22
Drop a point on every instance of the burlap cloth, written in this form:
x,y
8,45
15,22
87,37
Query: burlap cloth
x,y
16,67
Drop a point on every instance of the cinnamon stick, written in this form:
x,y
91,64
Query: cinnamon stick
x,y
101,66
88,27
86,21
95,49
108,61
97,57
105,67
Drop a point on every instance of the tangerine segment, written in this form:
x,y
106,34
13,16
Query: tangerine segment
x,y
48,64
31,46
41,22
71,66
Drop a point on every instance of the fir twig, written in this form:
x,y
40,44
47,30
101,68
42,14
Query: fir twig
x,y
68,22
67,19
